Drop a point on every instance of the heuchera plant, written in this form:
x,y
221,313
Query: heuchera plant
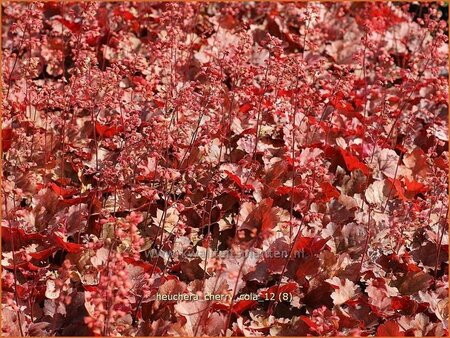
x,y
220,169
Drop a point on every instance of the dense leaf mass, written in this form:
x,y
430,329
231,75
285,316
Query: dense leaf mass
x,y
217,169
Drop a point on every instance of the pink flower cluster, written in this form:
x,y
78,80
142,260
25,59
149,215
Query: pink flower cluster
x,y
289,160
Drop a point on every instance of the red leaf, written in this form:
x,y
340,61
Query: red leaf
x,y
309,322
262,218
107,131
285,93
289,287
310,245
258,91
285,190
234,194
22,292
136,26
401,148
339,101
6,139
90,288
307,267
93,40
69,247
342,105
394,99
415,187
52,6
124,14
62,191
159,103
246,107
407,305
19,234
72,26
74,201
352,162
389,329
286,288
25,265
267,104
139,80
236,179
413,268
398,188
243,305
40,255
329,191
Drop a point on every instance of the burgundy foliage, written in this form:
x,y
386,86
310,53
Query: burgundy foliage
x,y
207,169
